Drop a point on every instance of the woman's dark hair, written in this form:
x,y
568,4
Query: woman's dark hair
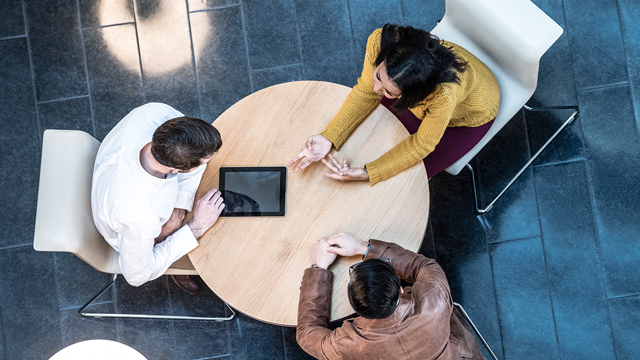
x,y
416,62
374,289
183,142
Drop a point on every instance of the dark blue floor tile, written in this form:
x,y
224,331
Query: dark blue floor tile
x,y
556,85
196,5
326,40
625,316
154,339
76,328
77,281
198,339
629,15
366,16
567,146
30,312
267,77
103,13
292,350
272,36
252,339
115,80
578,291
522,292
151,298
514,216
222,64
56,49
71,114
461,249
166,55
613,164
428,245
596,43
11,18
422,14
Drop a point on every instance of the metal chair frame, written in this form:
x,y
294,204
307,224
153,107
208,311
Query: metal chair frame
x,y
479,210
144,316
475,329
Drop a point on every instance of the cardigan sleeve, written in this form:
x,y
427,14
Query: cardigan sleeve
x,y
362,100
436,115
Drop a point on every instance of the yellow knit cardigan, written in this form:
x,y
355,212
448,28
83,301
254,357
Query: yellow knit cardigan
x,y
472,103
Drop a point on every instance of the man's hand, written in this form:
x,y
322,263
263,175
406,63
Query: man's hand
x,y
345,244
343,171
319,254
173,223
207,211
316,148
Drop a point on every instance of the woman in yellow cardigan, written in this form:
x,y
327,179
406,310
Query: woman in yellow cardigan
x,y
444,96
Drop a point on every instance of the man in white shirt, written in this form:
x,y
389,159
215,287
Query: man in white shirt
x,y
145,178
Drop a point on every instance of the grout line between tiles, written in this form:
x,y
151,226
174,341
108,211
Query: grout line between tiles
x,y
135,24
33,73
92,304
353,37
624,297
62,99
215,357
105,26
13,37
277,67
284,343
295,16
209,9
246,44
404,22
86,68
604,86
558,163
193,59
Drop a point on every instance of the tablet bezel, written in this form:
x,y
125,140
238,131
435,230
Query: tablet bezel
x,y
283,188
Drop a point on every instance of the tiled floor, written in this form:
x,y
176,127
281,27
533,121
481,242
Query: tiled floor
x,y
551,272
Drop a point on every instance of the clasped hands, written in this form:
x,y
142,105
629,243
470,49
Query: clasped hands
x,y
316,149
324,252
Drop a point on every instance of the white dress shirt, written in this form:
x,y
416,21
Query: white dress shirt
x,y
130,205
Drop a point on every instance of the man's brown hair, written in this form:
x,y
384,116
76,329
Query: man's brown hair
x,y
183,142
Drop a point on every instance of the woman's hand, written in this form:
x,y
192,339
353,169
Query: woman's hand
x,y
316,148
344,172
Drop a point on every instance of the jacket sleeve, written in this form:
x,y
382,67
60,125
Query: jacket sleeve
x,y
410,266
314,310
361,101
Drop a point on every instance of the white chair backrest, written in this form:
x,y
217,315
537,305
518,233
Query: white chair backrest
x,y
63,218
510,37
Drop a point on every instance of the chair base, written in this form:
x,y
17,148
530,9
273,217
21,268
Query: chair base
x,y
475,329
143,316
479,210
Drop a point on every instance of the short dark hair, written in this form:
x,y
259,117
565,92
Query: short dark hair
x,y
183,142
374,289
416,62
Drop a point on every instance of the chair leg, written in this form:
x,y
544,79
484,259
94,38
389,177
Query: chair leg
x,y
533,158
142,316
475,329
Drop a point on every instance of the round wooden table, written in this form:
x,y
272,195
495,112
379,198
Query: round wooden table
x,y
255,264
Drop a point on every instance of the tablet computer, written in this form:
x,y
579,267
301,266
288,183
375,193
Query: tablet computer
x,y
253,191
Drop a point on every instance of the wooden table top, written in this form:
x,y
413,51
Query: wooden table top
x,y
255,264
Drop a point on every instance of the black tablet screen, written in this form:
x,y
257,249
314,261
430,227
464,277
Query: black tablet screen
x,y
253,191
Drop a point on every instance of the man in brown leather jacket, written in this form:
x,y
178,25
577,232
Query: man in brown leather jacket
x,y
418,322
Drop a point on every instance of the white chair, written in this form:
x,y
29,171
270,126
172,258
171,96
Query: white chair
x,y
64,221
510,37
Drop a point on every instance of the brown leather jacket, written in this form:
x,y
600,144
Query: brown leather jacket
x,y
425,324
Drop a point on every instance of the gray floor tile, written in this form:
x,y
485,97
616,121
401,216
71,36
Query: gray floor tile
x,y
612,149
422,14
77,281
272,36
596,43
577,289
11,18
625,315
522,291
267,77
222,64
366,17
325,33
103,13
115,80
56,49
166,56
461,249
30,313
71,114
76,328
